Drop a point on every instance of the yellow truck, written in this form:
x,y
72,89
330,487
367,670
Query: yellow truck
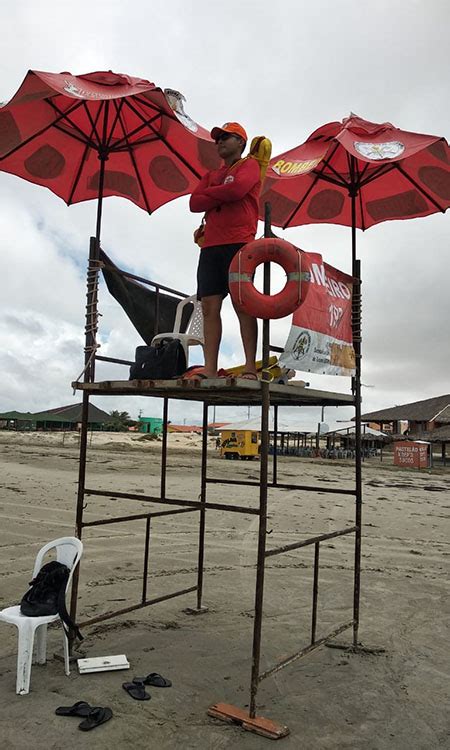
x,y
240,444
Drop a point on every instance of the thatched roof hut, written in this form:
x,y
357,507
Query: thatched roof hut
x,y
435,409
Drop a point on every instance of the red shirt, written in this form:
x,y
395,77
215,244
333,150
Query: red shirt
x,y
230,198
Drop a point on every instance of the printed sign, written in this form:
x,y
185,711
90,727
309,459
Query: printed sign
x,y
411,455
320,339
296,166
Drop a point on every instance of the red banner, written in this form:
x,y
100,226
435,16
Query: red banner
x,y
320,339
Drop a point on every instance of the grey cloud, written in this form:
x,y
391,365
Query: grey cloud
x,y
20,324
284,70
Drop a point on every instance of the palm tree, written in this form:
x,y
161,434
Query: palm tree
x,y
119,421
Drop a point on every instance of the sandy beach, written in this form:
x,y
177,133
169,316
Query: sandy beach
x,y
331,699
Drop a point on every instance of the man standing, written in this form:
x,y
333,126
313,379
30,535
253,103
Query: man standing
x,y
229,197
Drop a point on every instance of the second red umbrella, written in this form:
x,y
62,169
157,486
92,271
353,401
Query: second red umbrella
x,y
359,173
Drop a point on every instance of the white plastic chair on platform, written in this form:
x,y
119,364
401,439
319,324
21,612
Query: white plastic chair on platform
x,y
194,329
68,551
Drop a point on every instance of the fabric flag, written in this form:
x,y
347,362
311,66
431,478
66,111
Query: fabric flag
x,y
150,314
320,339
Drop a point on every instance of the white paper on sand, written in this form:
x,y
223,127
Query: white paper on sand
x,y
103,663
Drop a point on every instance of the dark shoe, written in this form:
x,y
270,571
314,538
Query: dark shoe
x,y
95,717
136,689
156,680
80,708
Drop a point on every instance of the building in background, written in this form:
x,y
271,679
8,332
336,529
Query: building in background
x,y
61,418
150,425
427,420
420,416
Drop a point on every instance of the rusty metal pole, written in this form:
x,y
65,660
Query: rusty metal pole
x,y
275,443
146,553
89,374
261,556
315,593
201,532
164,448
89,358
356,326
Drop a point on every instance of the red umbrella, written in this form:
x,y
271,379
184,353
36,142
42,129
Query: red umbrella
x,y
359,173
101,134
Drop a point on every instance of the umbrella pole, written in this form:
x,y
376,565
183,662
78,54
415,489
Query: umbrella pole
x,y
90,348
101,183
356,386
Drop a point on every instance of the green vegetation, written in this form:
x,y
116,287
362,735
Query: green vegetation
x,y
119,421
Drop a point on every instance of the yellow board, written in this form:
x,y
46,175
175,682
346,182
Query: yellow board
x,y
273,369
240,369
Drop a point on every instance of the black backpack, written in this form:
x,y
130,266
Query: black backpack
x,y
47,596
164,361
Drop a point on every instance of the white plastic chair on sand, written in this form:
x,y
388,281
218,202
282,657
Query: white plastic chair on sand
x,y
68,551
194,329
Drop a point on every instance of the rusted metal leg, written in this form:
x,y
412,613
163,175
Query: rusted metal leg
x,y
225,712
275,442
315,592
261,561
80,508
146,553
200,610
90,347
164,448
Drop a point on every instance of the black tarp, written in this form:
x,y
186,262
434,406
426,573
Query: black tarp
x,y
148,315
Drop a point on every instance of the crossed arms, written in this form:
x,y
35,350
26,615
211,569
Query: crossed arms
x,y
205,198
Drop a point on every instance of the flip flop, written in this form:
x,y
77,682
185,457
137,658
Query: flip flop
x,y
95,717
156,680
136,689
80,708
248,376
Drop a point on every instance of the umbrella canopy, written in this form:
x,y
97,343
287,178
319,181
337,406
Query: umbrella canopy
x,y
103,134
389,173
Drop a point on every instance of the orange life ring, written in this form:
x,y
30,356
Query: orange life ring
x,y
240,280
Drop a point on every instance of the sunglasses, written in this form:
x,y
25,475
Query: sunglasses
x,y
224,137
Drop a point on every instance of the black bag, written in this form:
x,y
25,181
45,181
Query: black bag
x,y
161,362
47,596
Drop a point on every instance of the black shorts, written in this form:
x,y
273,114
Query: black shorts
x,y
212,271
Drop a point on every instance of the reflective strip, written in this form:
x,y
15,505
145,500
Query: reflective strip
x,y
239,277
294,276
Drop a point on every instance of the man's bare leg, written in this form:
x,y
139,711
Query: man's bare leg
x,y
212,329
249,335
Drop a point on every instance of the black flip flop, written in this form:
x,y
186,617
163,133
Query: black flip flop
x,y
95,717
156,680
80,708
136,689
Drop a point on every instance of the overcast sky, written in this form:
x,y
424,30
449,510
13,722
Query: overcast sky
x,y
281,69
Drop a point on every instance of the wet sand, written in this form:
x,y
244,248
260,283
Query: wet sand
x,y
330,699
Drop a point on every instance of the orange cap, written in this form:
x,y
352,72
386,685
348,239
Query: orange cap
x,y
230,127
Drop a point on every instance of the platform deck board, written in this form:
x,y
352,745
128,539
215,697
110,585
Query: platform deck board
x,y
218,391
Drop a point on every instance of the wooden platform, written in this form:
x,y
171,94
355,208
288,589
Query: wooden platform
x,y
218,391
